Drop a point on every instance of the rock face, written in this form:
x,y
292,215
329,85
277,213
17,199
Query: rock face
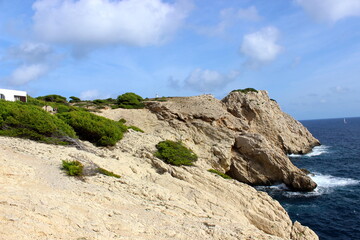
x,y
151,200
245,135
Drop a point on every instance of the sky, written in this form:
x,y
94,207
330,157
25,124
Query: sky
x,y
305,53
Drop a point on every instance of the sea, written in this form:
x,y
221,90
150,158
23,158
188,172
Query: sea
x,y
332,210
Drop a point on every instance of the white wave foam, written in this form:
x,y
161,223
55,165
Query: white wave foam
x,y
328,181
316,151
326,185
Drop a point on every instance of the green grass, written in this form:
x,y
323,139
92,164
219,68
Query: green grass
x,y
223,175
245,90
108,173
175,153
73,168
29,121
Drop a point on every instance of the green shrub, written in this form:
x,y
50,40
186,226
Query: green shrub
x,y
135,128
175,153
245,90
53,98
223,175
130,101
29,121
35,101
74,99
73,168
122,120
99,101
108,173
96,129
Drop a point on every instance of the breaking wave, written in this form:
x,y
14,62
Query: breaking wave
x,y
316,151
326,184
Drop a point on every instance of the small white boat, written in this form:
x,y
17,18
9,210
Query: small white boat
x,y
345,121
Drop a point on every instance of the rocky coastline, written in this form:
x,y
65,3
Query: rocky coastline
x,y
245,135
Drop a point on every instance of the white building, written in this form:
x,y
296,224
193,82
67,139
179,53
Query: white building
x,y
13,95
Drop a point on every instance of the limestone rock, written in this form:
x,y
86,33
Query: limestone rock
x,y
265,117
38,201
300,232
245,135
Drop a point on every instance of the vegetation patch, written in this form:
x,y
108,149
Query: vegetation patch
x,y
95,129
74,99
28,121
108,173
245,90
73,168
162,99
223,175
130,101
53,98
135,128
175,153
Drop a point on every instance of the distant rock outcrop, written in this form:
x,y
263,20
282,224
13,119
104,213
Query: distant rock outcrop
x,y
245,135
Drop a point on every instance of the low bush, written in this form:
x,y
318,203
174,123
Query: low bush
x,y
223,175
245,90
74,99
95,129
53,98
24,120
130,101
175,153
73,168
122,120
108,173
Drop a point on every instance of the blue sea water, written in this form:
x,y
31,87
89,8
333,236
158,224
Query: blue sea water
x,y
332,210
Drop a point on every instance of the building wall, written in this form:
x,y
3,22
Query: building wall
x,y
10,95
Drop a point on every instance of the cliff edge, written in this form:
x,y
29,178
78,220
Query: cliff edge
x,y
245,135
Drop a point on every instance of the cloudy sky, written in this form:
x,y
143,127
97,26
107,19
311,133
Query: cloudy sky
x,y
305,53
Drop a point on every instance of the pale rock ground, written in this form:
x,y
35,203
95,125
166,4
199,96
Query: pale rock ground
x,y
153,200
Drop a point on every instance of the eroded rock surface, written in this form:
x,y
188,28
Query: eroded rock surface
x,y
151,200
244,135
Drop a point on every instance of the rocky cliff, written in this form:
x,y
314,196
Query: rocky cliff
x,y
245,135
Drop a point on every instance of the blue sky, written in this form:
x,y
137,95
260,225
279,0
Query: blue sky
x,y
305,53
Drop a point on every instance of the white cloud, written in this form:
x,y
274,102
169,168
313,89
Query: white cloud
x,y
32,61
30,52
250,14
261,46
208,80
228,18
330,10
27,73
98,22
